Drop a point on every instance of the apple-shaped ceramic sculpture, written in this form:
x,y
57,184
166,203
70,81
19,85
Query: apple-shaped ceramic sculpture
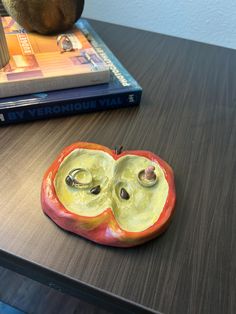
x,y
45,16
110,197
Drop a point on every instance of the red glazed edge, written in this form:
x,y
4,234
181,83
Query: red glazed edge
x,y
103,228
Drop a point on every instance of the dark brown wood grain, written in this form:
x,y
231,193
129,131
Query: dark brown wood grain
x,y
188,117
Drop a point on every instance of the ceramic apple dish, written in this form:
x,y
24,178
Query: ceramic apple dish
x,y
108,196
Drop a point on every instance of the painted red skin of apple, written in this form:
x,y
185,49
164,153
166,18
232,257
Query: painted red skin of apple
x,y
103,228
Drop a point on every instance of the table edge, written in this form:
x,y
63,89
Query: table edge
x,y
70,286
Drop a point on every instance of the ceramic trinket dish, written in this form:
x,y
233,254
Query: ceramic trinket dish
x,y
108,196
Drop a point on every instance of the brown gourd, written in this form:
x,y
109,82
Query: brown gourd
x,y
45,16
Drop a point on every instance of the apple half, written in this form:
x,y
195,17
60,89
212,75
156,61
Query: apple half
x,y
114,208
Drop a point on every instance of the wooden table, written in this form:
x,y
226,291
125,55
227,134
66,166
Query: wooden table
x,y
188,117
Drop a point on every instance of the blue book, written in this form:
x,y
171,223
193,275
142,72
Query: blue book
x,y
121,91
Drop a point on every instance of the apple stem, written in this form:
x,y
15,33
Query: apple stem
x,y
118,149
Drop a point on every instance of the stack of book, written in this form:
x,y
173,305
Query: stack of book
x,y
52,76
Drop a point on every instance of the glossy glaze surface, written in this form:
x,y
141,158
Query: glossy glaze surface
x,y
137,213
123,213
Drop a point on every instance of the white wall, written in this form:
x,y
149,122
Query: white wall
x,y
210,21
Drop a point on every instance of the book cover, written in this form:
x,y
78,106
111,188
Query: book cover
x,y
122,91
40,63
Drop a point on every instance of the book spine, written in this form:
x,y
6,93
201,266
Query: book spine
x,y
68,107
